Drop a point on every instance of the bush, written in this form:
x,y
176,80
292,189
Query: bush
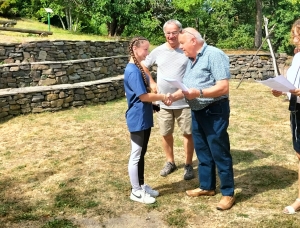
x,y
242,37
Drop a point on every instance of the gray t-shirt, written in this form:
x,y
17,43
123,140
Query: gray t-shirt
x,y
171,63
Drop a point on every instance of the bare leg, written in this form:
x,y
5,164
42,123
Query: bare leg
x,y
167,142
188,148
296,204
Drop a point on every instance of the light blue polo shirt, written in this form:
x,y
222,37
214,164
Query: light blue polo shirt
x,y
211,65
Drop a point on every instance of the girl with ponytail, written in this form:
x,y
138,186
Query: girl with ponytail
x,y
139,118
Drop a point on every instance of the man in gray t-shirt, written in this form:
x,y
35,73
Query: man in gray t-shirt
x,y
171,63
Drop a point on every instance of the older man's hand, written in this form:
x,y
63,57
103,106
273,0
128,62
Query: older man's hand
x,y
169,99
276,93
191,93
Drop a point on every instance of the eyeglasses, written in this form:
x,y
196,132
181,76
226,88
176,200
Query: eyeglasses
x,y
171,33
185,31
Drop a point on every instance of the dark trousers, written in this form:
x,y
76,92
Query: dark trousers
x,y
212,147
295,128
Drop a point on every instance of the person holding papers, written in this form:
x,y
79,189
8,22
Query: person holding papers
x,y
171,63
207,77
293,76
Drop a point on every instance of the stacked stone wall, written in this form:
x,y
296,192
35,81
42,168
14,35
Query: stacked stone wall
x,y
51,76
16,75
258,67
245,66
60,50
14,102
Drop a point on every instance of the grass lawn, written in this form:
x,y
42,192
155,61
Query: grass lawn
x,y
69,169
58,33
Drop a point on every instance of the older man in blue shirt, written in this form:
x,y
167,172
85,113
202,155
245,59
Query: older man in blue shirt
x,y
207,77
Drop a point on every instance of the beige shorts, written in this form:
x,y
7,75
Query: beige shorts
x,y
166,120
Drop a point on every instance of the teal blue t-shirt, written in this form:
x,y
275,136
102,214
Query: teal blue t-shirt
x,y
139,115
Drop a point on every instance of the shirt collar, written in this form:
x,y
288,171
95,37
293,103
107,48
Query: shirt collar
x,y
200,52
202,49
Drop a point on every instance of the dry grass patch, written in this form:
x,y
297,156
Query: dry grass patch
x,y
69,169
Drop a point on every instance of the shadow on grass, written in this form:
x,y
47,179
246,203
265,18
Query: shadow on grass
x,y
247,156
259,179
251,179
254,179
15,207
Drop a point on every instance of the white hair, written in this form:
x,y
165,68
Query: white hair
x,y
173,21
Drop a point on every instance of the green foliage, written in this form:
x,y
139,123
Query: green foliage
x,y
219,23
227,24
187,5
239,39
284,17
8,7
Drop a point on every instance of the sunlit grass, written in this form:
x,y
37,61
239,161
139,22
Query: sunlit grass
x,y
69,168
58,33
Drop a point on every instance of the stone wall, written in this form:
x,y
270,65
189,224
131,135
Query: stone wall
x,y
52,76
261,67
16,75
60,50
39,99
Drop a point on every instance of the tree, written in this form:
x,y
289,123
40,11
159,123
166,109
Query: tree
x,y
66,10
284,16
258,24
8,7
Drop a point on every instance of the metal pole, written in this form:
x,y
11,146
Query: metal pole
x,y
48,21
271,30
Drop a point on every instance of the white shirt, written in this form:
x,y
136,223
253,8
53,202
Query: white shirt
x,y
293,74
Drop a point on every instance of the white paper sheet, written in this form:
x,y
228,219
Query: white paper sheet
x,y
279,83
178,84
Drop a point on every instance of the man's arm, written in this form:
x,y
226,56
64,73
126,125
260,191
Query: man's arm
x,y
220,88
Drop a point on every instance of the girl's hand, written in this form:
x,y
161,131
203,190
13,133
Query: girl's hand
x,y
295,92
276,93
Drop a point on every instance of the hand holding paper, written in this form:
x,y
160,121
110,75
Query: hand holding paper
x,y
279,83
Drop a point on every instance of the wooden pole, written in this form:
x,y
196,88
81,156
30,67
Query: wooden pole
x,y
26,30
270,47
271,30
2,22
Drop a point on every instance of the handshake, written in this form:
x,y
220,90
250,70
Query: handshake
x,y
168,99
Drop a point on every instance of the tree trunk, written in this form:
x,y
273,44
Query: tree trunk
x,y
76,24
197,23
112,27
67,18
258,24
62,22
70,19
68,13
40,32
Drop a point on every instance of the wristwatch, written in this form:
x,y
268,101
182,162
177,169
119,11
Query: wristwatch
x,y
201,93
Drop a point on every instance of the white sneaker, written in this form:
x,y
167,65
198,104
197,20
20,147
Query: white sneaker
x,y
150,191
142,197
